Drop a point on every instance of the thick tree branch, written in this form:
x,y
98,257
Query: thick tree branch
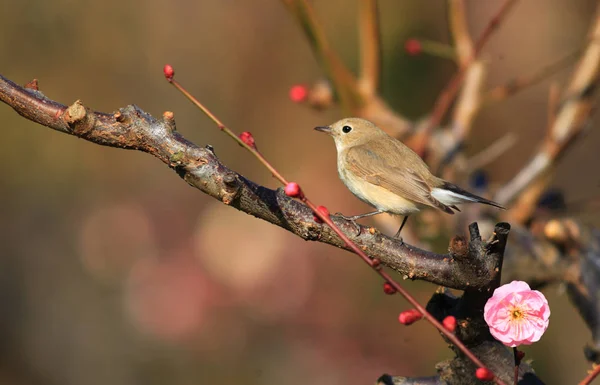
x,y
132,128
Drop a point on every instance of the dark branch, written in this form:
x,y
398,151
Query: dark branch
x,y
132,128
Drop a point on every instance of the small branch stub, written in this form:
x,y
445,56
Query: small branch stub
x,y
33,85
169,119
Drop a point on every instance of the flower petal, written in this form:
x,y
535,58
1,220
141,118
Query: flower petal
x,y
513,287
517,315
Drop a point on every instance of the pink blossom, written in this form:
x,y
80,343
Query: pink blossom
x,y
516,314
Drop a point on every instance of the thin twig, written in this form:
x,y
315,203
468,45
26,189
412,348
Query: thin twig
x,y
491,153
591,375
344,82
568,123
370,47
466,109
448,94
457,19
521,83
374,263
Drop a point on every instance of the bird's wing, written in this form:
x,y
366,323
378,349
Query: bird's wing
x,y
368,165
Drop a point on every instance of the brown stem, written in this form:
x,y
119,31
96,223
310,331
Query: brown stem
x,y
516,356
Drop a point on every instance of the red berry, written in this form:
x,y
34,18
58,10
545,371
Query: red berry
x,y
449,323
293,190
323,210
247,138
484,374
169,72
298,93
413,47
388,289
409,316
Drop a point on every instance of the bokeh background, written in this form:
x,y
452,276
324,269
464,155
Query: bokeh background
x,y
114,271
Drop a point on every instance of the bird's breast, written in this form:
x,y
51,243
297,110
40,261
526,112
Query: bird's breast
x,y
374,195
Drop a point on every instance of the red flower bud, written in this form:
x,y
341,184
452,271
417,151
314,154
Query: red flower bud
x,y
449,323
247,138
169,72
298,93
388,289
293,190
409,316
413,47
484,374
323,210
520,356
376,263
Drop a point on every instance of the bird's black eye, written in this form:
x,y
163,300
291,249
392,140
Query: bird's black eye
x,y
346,129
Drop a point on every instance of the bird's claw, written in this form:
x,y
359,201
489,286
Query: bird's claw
x,y
351,220
344,217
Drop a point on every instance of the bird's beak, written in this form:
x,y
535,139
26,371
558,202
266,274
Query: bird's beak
x,y
325,129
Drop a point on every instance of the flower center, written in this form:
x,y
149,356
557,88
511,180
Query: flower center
x,y
516,314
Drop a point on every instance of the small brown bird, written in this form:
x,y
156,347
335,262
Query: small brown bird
x,y
381,171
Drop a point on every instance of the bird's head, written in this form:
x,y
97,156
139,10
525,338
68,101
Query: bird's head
x,y
351,132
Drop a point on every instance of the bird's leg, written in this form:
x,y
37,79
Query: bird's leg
x,y
400,229
354,218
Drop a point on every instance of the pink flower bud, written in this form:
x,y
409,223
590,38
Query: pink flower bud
x,y
516,314
169,72
413,47
298,93
247,138
484,374
409,317
293,190
323,210
449,323
388,289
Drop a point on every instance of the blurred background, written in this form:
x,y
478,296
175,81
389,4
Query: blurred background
x,y
114,271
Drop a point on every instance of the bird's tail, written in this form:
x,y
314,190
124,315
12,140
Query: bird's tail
x,y
450,194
